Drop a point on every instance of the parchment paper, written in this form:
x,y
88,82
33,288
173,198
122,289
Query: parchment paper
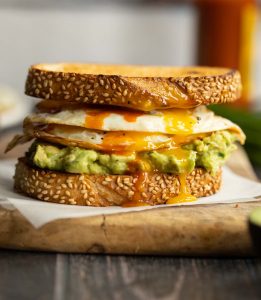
x,y
234,189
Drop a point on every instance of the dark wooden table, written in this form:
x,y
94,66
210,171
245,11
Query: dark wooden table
x,y
37,276
25,275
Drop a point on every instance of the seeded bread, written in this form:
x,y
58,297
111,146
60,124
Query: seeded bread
x,y
107,190
139,87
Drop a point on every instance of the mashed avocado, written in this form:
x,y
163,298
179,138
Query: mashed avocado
x,y
213,150
78,160
210,153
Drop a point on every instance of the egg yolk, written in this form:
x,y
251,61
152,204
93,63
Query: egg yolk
x,y
179,121
176,121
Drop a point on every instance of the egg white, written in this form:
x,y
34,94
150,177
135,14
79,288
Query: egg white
x,y
205,121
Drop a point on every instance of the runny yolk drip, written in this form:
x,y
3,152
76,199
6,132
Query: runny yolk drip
x,y
95,118
179,121
139,188
131,141
143,141
184,195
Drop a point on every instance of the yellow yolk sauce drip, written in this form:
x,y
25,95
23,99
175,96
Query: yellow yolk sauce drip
x,y
124,141
132,141
179,121
184,195
142,177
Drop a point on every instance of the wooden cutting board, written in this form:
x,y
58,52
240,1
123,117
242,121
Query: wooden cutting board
x,y
203,230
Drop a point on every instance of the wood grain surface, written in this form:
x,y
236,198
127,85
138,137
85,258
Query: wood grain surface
x,y
208,230
28,275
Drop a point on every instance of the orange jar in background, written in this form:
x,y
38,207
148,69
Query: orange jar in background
x,y
226,38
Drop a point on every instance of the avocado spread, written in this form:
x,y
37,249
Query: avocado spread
x,y
209,152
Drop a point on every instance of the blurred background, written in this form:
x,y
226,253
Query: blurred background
x,y
158,32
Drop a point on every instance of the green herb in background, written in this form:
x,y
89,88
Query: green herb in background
x,y
250,122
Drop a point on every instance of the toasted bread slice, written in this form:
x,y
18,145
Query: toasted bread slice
x,y
139,87
107,190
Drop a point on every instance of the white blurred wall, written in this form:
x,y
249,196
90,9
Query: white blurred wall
x,y
114,34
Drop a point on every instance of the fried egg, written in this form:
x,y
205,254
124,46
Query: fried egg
x,y
171,121
125,130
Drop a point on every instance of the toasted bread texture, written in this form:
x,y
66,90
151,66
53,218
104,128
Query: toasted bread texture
x,y
108,190
139,87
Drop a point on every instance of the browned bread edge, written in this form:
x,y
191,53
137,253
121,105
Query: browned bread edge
x,y
194,85
107,190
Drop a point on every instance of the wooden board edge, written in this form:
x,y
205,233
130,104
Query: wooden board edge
x,y
117,234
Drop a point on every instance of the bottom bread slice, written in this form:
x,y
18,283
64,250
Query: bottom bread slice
x,y
107,190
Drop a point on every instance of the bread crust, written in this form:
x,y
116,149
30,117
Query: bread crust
x,y
107,190
138,87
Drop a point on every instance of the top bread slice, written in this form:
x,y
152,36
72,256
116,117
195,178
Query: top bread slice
x,y
139,87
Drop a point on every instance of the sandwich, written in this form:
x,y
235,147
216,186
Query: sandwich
x,y
125,135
